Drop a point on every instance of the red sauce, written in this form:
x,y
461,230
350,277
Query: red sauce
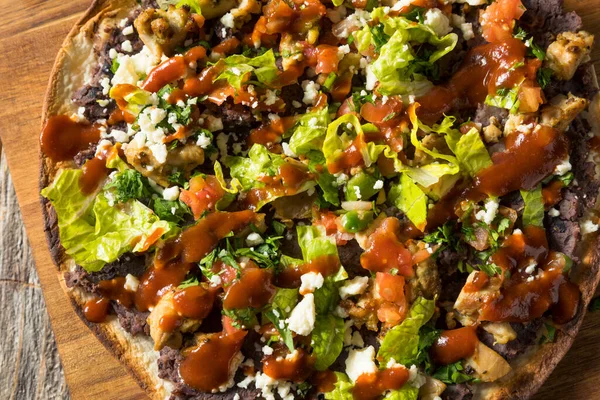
x,y
295,367
372,386
552,193
197,241
169,322
254,289
94,173
194,54
194,302
349,158
114,289
525,297
480,281
288,181
171,70
203,83
485,69
386,251
324,381
207,365
270,132
325,265
62,138
156,281
454,345
528,160
119,115
96,310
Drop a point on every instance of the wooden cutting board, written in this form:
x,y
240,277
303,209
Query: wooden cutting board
x,y
30,36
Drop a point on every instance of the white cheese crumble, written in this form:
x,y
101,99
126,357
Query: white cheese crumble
x,y
371,79
228,21
171,193
131,283
489,212
126,46
378,185
311,281
254,239
415,378
553,212
128,30
271,97
222,144
437,21
360,362
302,318
287,150
267,350
562,168
353,287
311,91
588,227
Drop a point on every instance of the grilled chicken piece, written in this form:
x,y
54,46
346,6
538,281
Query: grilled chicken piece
x,y
183,159
162,31
426,282
502,331
469,303
568,51
561,111
166,325
489,366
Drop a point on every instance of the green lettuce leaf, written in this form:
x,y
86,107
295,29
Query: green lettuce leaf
x,y
410,199
505,98
137,100
95,232
309,131
326,181
342,389
533,214
401,65
469,150
327,340
194,5
406,392
280,309
314,243
402,341
238,66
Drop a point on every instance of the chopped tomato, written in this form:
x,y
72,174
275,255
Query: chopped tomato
x,y
260,36
530,98
203,194
278,16
271,131
227,46
391,287
347,107
386,252
323,57
328,219
454,345
230,330
498,20
382,111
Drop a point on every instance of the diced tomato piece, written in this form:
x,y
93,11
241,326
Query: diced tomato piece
x,y
203,194
391,287
498,20
382,111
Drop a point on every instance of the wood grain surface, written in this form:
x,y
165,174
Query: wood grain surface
x,y
30,37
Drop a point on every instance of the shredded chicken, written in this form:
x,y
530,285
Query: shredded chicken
x,y
468,304
163,312
568,51
502,331
162,31
492,132
183,159
426,282
561,111
489,366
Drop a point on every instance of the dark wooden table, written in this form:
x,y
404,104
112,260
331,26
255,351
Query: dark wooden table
x,y
30,36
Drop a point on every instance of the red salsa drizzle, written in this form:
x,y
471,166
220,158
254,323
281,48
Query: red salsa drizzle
x,y
296,366
525,296
96,309
454,345
254,289
325,265
386,251
324,381
372,386
209,364
171,70
62,138
194,302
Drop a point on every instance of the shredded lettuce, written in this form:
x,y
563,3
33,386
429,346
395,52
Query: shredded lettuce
x,y
95,232
309,132
400,67
137,100
505,98
406,392
326,181
342,389
402,341
238,66
410,199
314,243
469,150
283,303
246,172
533,214
327,340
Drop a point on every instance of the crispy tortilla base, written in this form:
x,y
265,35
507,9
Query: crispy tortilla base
x,y
76,59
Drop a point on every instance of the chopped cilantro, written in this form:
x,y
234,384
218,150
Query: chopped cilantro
x,y
129,184
453,373
544,75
